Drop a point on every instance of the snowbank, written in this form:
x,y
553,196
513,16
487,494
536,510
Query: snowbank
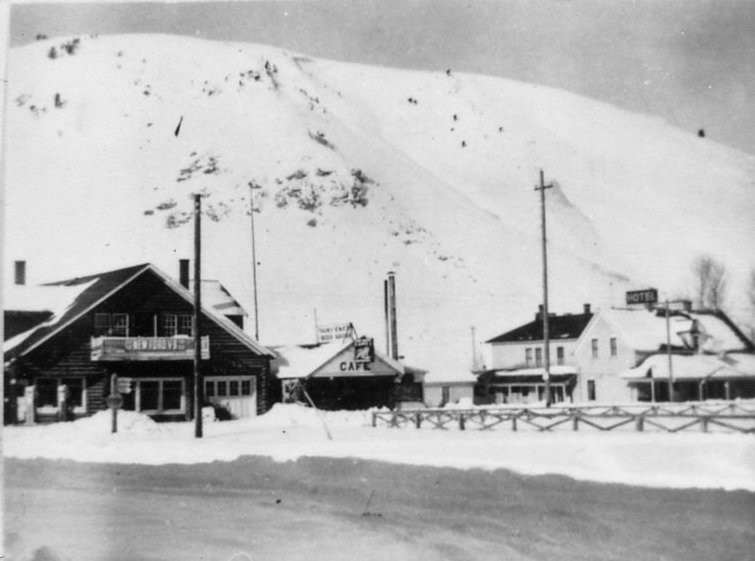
x,y
289,432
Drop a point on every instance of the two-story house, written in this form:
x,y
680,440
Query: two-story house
x,y
65,340
516,375
632,354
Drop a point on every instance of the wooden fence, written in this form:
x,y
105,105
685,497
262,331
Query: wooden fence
x,y
705,416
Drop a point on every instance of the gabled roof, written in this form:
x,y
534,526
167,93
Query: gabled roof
x,y
302,362
645,330
89,291
566,326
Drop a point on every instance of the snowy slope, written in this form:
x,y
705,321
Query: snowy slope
x,y
357,171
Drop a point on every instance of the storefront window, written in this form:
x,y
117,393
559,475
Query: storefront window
x,y
233,387
75,390
149,394
246,387
47,392
172,390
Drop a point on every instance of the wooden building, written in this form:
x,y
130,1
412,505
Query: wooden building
x,y
65,340
339,375
516,375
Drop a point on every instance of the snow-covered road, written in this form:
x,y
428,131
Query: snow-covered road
x,y
288,432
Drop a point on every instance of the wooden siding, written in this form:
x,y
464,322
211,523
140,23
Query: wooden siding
x,y
68,354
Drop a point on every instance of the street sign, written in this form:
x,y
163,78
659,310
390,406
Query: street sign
x,y
646,296
124,385
115,401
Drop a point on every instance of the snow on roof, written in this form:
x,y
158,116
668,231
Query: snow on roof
x,y
693,367
217,297
55,299
298,362
716,334
645,330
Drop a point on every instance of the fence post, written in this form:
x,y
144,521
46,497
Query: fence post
x,y
513,423
418,419
374,418
704,423
461,421
640,423
575,420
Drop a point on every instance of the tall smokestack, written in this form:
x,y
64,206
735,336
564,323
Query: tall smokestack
x,y
183,272
20,272
387,318
394,321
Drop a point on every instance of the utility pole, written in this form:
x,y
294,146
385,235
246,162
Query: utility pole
x,y
668,355
546,336
254,267
198,385
474,351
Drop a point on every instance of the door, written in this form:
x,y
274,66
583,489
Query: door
x,y
235,396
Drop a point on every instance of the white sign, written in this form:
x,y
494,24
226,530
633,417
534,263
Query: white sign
x,y
336,332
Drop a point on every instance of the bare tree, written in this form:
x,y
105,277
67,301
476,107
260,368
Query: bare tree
x,y
710,282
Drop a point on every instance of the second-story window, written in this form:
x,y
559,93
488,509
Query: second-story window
x,y
102,324
594,347
528,357
185,321
559,355
169,325
614,346
538,357
119,325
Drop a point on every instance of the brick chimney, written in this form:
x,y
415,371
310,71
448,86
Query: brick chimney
x,y
539,314
183,272
587,309
19,271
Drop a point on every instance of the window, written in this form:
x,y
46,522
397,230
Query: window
x,y
528,357
75,390
160,395
209,389
590,390
445,394
222,391
594,346
614,346
101,324
119,325
149,394
538,357
246,387
233,387
169,325
47,392
559,355
171,395
185,323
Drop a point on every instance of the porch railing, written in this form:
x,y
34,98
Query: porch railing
x,y
705,416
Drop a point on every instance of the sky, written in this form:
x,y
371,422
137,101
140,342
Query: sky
x,y
690,62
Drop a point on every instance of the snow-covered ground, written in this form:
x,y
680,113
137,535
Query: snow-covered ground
x,y
288,432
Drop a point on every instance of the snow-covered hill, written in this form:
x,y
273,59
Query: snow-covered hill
x,y
357,171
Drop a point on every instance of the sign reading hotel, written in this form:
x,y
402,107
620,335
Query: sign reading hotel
x,y
646,296
335,332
